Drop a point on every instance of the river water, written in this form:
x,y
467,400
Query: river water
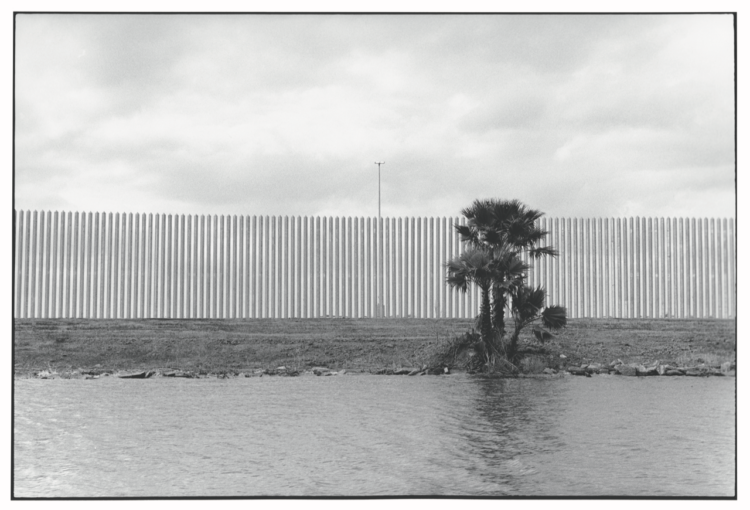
x,y
367,435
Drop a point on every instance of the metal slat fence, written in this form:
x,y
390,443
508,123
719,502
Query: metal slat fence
x,y
112,265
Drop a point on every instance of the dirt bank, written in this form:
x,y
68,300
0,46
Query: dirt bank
x,y
225,346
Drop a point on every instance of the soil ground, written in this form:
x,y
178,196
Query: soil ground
x,y
65,345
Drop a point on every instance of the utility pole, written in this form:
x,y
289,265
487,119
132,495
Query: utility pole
x,y
379,163
378,269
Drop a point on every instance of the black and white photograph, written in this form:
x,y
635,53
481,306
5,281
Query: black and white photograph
x,y
360,254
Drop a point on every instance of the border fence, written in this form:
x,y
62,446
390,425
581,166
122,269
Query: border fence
x,y
113,265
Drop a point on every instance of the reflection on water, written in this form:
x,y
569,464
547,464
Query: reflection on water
x,y
369,435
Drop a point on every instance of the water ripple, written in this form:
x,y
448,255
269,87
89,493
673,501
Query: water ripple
x,y
367,435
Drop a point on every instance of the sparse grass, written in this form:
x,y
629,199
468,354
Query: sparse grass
x,y
691,358
533,364
354,344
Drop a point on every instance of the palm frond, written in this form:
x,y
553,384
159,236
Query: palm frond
x,y
532,215
537,253
493,237
527,302
555,317
457,281
510,265
505,210
510,285
465,232
524,234
542,335
473,266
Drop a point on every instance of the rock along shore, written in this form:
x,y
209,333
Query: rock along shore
x,y
657,368
617,367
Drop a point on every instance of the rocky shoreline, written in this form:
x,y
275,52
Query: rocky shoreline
x,y
617,367
185,374
657,368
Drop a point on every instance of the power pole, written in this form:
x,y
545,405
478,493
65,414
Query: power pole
x,y
379,163
379,247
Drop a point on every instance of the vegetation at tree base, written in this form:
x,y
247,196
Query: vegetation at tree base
x,y
498,234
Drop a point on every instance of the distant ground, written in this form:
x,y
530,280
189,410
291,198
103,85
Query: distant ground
x,y
217,346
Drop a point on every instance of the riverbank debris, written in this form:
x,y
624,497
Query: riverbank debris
x,y
143,374
656,368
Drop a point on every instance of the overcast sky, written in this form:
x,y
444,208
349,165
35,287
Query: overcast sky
x,y
584,116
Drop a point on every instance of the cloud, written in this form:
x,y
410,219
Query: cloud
x,y
286,114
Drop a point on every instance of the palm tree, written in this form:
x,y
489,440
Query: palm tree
x,y
505,229
510,273
499,233
497,270
474,266
527,308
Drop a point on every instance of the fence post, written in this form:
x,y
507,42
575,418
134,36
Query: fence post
x,y
718,267
46,219
91,265
21,263
732,268
52,289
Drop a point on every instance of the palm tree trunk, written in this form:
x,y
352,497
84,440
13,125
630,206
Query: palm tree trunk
x,y
512,350
499,300
485,318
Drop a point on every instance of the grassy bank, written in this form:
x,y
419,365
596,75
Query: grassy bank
x,y
218,346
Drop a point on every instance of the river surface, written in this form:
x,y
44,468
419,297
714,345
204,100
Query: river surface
x,y
375,436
